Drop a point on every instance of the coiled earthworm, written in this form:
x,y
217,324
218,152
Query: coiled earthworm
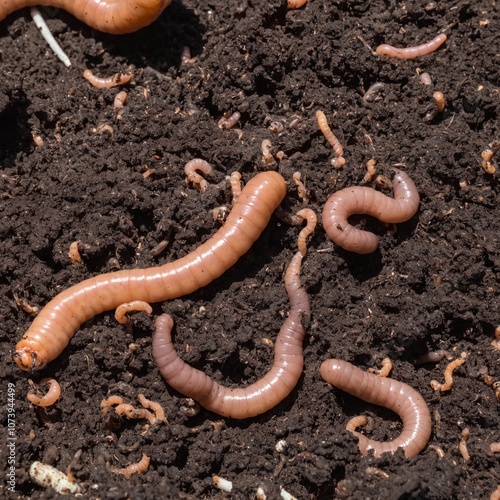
x,y
108,82
137,468
448,375
229,120
391,394
192,176
260,396
54,326
411,52
135,305
53,394
111,16
365,200
332,139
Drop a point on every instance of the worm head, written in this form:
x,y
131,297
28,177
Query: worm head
x,y
28,360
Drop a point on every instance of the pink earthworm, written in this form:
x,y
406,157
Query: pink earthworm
x,y
53,394
258,397
365,200
391,394
58,321
411,52
134,305
190,169
109,81
137,468
111,16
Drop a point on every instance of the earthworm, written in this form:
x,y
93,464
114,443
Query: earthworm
x,y
108,82
260,396
448,375
370,170
120,100
135,413
425,78
296,4
390,393
495,447
432,357
152,405
54,326
385,370
303,193
53,394
229,120
267,152
372,92
24,305
110,401
463,444
439,98
331,138
276,127
365,200
496,494
134,305
312,219
411,52
192,176
139,467
111,16
235,181
486,156
74,253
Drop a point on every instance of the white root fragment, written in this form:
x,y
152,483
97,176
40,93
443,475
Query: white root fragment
x,y
49,37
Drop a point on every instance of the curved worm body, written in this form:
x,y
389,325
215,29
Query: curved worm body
x,y
391,394
411,52
263,394
111,16
53,328
53,394
365,200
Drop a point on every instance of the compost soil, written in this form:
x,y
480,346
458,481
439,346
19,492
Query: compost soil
x,y
114,181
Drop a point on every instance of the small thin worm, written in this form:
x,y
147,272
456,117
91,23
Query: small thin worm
x,y
365,200
111,16
463,445
53,394
303,193
108,82
192,176
432,357
120,100
153,405
448,375
58,321
134,305
391,394
235,181
410,53
439,98
385,370
331,138
135,413
229,120
260,396
137,468
311,220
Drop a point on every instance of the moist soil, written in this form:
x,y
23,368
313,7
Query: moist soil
x,y
114,181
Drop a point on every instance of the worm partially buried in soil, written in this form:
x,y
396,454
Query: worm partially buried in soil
x,y
260,396
391,394
365,200
53,328
410,53
111,16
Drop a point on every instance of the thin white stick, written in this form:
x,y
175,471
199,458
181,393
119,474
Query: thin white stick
x,y
49,37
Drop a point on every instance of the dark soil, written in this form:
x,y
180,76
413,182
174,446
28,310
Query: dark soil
x,y
431,285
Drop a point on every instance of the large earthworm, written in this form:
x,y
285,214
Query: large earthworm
x,y
258,397
409,53
53,328
391,394
111,16
365,200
